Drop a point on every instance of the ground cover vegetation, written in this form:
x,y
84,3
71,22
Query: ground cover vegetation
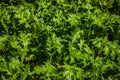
x,y
59,39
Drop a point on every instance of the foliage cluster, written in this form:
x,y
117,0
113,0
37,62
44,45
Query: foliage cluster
x,y
59,40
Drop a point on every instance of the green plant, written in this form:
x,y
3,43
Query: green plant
x,y
59,40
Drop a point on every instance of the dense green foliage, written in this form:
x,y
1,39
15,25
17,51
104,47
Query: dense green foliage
x,y
59,40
